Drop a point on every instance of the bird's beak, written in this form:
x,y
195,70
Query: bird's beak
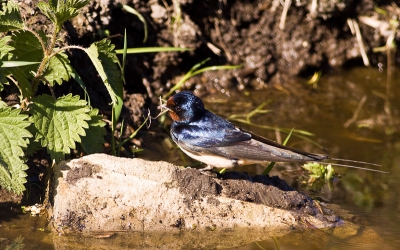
x,y
170,103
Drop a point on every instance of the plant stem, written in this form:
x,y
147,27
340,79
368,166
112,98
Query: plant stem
x,y
113,125
65,48
47,55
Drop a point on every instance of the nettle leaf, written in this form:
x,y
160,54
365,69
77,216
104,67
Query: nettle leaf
x,y
13,139
60,11
3,79
77,4
34,142
60,123
10,17
65,13
58,69
22,78
48,10
93,142
5,48
27,47
4,56
104,59
69,9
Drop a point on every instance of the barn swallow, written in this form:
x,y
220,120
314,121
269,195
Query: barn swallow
x,y
210,139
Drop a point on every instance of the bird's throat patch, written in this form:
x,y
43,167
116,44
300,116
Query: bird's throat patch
x,y
171,105
173,116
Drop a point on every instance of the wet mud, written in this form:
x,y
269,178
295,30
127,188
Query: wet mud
x,y
270,191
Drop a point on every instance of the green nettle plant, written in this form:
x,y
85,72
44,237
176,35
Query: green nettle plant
x,y
29,58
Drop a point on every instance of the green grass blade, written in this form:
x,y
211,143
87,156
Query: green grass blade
x,y
79,80
113,124
198,65
120,137
258,110
124,58
188,75
141,18
269,168
192,72
272,164
223,67
152,50
12,64
298,133
287,137
135,133
117,107
302,134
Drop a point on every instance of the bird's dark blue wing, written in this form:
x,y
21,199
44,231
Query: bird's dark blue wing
x,y
210,131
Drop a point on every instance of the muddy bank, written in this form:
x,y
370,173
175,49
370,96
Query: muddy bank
x,y
251,33
254,34
105,193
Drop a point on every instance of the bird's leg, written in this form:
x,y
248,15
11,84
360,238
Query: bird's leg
x,y
207,171
207,168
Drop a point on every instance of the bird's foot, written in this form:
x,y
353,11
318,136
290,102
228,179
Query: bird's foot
x,y
207,171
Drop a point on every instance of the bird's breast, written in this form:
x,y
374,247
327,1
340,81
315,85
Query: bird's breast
x,y
212,159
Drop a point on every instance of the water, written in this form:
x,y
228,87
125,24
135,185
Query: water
x,y
371,199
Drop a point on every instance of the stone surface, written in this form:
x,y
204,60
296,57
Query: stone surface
x,y
105,193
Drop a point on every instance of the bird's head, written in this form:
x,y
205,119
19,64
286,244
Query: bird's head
x,y
185,107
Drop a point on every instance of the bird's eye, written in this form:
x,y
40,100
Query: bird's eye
x,y
178,108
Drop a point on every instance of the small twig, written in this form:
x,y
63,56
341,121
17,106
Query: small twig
x,y
176,26
313,8
356,112
51,91
275,5
15,82
149,115
260,245
146,84
168,8
278,136
114,36
163,109
284,14
355,29
221,41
